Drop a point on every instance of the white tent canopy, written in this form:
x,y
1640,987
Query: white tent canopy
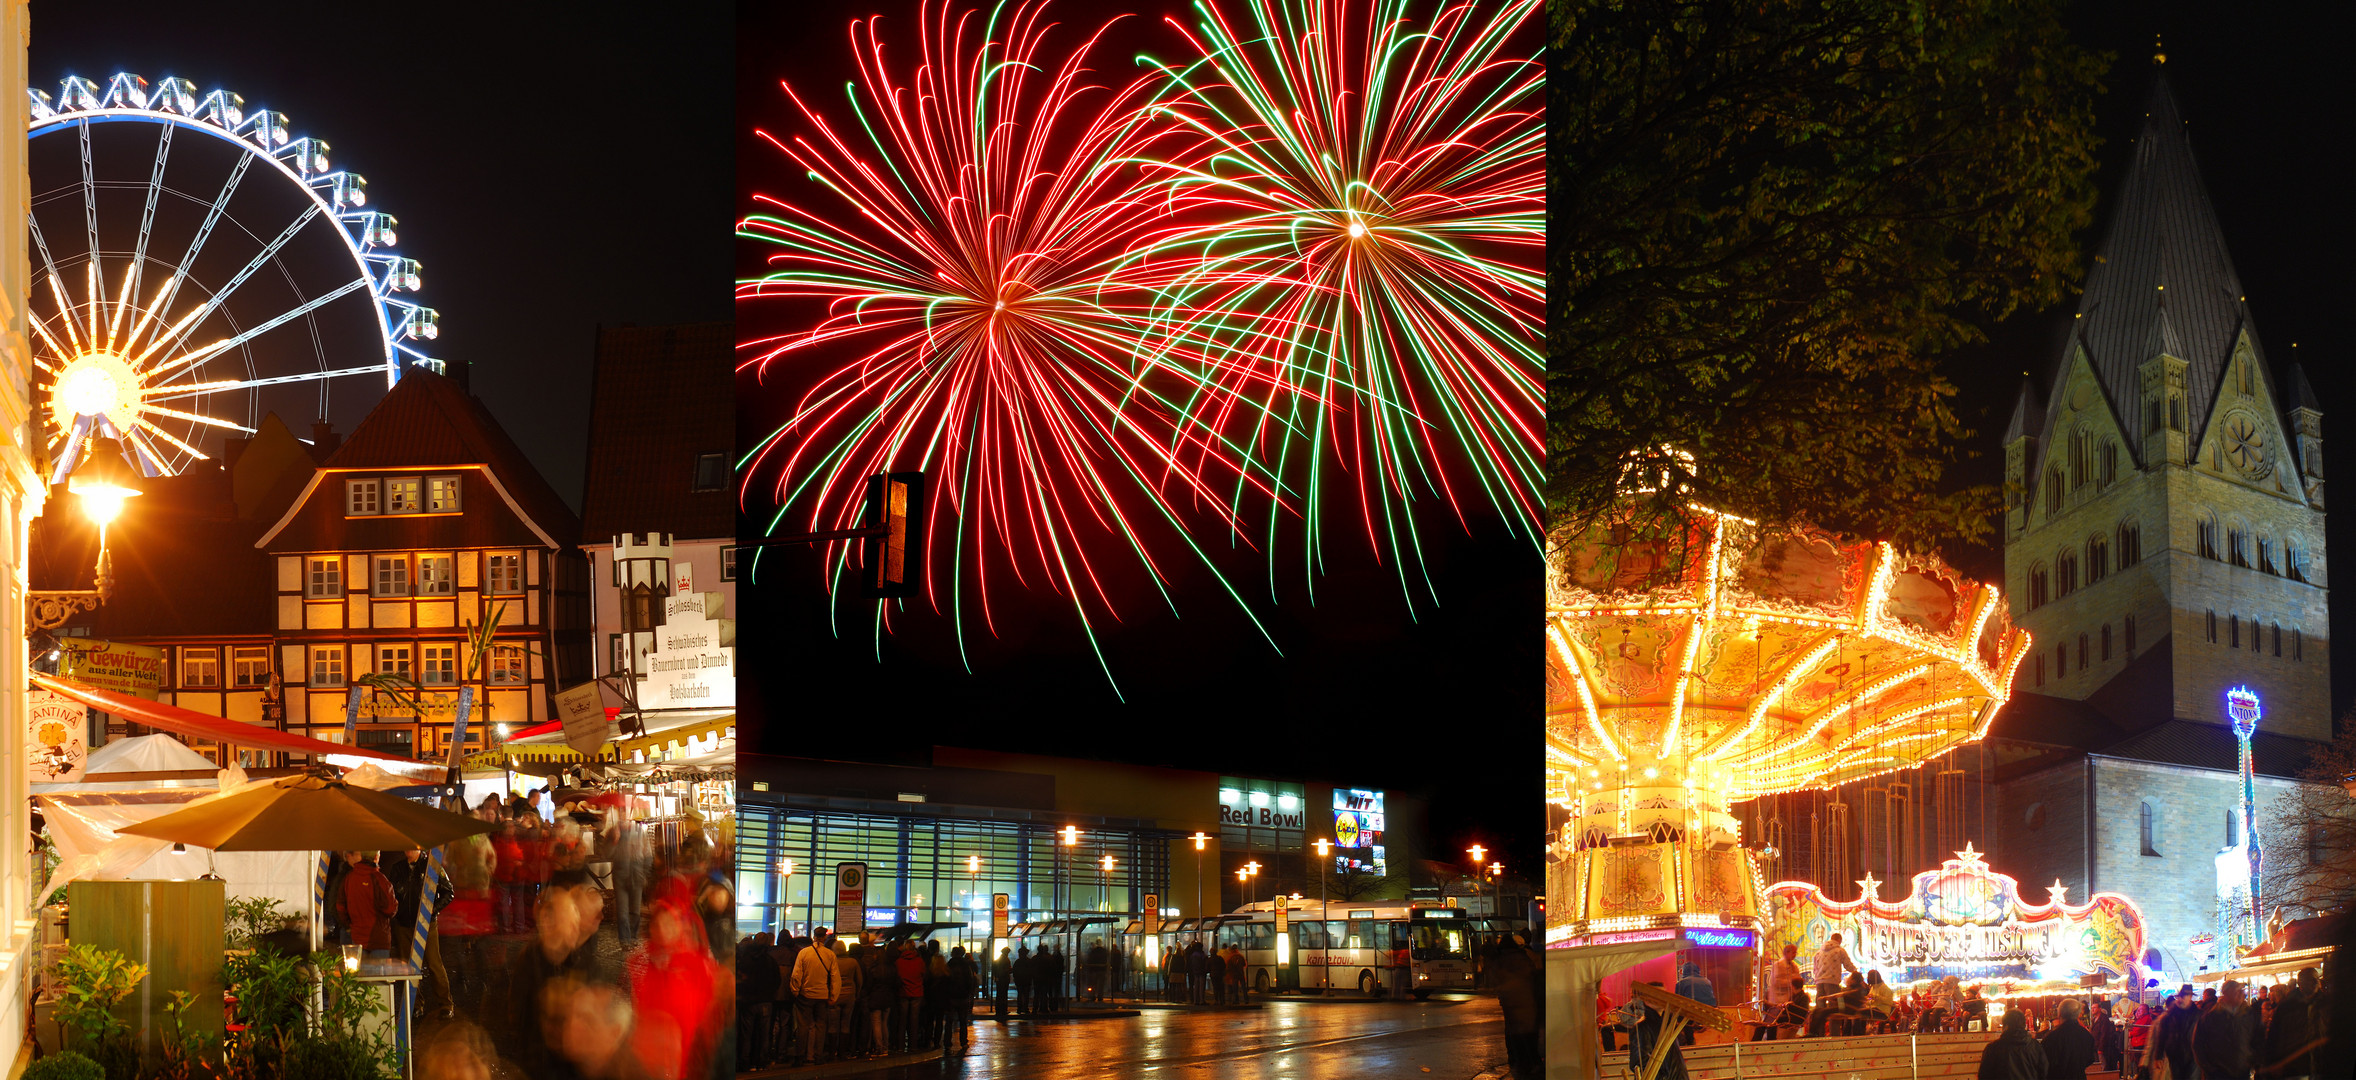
x,y
145,753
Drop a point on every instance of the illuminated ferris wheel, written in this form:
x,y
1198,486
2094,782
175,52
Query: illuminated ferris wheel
x,y
194,268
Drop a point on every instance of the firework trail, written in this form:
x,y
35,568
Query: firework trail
x,y
970,320
1357,213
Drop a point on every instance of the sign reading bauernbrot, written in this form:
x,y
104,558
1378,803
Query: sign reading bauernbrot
x,y
693,663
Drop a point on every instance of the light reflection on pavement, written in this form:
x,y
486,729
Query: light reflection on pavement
x,y
1443,1039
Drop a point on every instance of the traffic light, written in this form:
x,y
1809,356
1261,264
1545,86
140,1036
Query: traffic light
x,y
893,554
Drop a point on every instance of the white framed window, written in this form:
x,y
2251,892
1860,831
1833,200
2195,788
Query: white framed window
x,y
392,575
396,660
508,666
327,665
434,576
362,497
200,667
728,564
249,666
441,495
403,494
437,665
504,573
323,578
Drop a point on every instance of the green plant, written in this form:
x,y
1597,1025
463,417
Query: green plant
x,y
65,1065
251,917
186,1056
90,982
340,1057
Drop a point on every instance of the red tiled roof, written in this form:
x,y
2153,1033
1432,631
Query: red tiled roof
x,y
663,395
426,420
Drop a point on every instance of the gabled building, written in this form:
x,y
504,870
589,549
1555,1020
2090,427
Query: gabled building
x,y
425,523
2164,543
662,442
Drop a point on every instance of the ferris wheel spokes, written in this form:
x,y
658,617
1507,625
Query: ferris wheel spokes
x,y
112,359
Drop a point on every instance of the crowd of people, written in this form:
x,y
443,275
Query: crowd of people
x,y
565,943
811,1000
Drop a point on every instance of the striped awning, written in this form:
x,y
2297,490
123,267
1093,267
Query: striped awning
x,y
551,749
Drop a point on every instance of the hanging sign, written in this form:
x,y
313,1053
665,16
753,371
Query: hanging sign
x,y
693,662
108,665
850,897
1966,920
54,745
582,709
1153,913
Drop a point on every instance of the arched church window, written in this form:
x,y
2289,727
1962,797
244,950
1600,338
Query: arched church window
x,y
2233,630
2053,490
2130,544
2294,559
2207,530
2266,555
2232,828
2212,627
2237,544
2067,573
2083,653
2037,587
2129,634
2298,645
2108,468
2040,669
2274,630
2149,822
2098,559
2106,642
2078,463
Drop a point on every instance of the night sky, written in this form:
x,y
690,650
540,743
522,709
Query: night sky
x,y
1442,701
553,166
2263,94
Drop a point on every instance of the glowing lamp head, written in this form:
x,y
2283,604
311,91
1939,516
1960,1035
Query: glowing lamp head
x,y
103,481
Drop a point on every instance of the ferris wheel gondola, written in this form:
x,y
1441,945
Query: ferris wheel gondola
x,y
193,262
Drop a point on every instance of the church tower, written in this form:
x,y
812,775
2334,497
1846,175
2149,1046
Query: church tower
x,y
2164,519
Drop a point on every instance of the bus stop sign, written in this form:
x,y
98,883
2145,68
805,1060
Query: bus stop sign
x,y
1001,910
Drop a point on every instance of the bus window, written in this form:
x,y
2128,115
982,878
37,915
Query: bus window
x,y
1362,934
1263,937
1310,935
1439,942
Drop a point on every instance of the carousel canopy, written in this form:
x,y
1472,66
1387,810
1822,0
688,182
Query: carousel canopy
x,y
1731,658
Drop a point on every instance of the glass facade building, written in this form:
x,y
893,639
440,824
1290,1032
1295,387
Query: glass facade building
x,y
938,863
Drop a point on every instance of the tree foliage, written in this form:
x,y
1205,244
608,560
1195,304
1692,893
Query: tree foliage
x,y
2307,837
1767,224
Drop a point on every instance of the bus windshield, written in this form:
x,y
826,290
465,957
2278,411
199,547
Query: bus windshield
x,y
1435,942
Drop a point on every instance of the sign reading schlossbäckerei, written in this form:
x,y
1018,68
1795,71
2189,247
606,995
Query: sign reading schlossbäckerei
x,y
108,665
850,897
1001,914
583,712
1153,913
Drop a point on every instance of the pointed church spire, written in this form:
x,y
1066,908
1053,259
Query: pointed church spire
x,y
2027,419
2162,279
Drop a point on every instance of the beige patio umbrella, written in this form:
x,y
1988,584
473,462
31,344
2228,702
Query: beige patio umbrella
x,y
309,813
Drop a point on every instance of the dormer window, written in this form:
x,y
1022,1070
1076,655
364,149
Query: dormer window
x,y
711,472
441,495
373,495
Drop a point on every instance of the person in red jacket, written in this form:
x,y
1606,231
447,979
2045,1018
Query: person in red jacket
x,y
365,901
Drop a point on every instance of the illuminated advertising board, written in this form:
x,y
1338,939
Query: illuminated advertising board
x,y
1966,920
1358,831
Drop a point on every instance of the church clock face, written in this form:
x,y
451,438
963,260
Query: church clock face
x,y
2245,446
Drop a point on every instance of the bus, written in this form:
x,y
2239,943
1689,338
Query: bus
x,y
1340,945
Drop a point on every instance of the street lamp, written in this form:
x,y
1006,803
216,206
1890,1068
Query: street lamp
x,y
1071,839
1250,871
973,879
1478,852
785,869
1198,839
1104,886
103,482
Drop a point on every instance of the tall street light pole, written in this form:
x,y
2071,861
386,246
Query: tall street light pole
x,y
1478,853
1324,849
973,889
1199,839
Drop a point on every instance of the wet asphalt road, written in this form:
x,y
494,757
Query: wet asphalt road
x,y
1447,1038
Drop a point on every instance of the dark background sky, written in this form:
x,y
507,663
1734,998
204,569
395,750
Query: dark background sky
x,y
2264,95
1443,702
553,166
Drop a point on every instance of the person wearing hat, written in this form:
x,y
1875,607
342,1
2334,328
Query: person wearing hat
x,y
814,985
